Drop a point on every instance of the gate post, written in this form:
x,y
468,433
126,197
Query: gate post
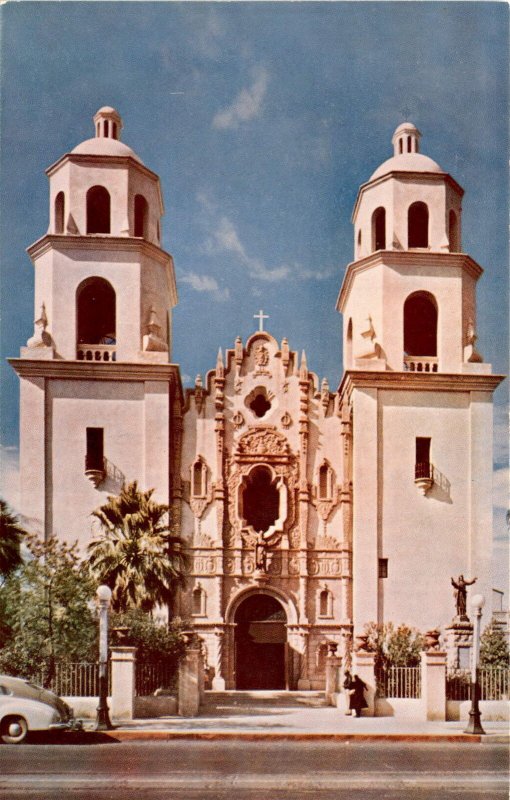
x,y
433,685
333,665
123,682
363,665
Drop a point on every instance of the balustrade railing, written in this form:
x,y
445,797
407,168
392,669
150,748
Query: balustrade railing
x,y
399,682
494,684
76,679
96,352
420,364
152,675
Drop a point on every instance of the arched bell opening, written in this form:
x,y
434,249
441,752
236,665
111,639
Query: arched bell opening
x,y
420,331
59,212
379,229
141,216
453,232
95,316
418,225
260,643
98,210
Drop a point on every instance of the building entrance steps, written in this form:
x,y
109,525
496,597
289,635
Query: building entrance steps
x,y
243,702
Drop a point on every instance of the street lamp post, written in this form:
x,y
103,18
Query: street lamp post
x,y
474,724
103,722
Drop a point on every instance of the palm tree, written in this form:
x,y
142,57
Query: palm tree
x,y
136,553
11,535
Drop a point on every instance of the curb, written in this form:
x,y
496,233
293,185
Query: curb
x,y
254,736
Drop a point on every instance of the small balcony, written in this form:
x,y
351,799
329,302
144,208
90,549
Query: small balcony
x,y
96,352
420,364
95,468
424,475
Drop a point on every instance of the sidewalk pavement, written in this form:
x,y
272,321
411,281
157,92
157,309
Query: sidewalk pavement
x,y
306,723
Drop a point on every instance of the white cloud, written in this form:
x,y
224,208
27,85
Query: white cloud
x,y
9,476
226,239
247,105
205,283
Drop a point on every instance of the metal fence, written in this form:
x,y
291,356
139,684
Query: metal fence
x,y
152,675
76,679
399,682
494,684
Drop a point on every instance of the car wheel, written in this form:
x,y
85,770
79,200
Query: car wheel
x,y
13,730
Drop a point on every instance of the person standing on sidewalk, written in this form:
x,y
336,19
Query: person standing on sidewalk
x,y
357,698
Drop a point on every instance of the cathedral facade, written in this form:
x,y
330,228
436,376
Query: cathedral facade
x,y
307,512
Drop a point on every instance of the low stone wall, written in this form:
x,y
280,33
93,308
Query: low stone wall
x,y
85,707
404,708
491,710
150,707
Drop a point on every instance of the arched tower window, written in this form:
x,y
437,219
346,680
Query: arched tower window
x,y
418,225
420,325
359,242
379,229
348,345
400,147
325,482
141,216
95,313
98,210
325,603
261,500
199,478
59,212
453,232
198,602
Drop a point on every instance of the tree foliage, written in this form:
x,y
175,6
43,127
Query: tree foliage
x,y
494,650
47,612
394,646
153,640
11,536
136,553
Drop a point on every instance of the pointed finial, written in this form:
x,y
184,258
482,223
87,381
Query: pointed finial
x,y
198,380
303,372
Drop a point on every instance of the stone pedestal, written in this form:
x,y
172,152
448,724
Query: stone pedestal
x,y
433,685
123,661
363,665
458,637
191,682
333,666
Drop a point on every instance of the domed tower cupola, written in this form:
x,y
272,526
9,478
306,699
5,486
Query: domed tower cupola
x,y
108,123
406,139
408,298
408,203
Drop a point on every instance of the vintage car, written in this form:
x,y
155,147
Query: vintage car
x,y
25,707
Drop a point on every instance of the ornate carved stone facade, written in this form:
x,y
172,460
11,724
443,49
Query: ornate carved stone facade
x,y
271,436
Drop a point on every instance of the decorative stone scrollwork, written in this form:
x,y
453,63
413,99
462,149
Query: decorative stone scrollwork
x,y
286,420
238,420
261,356
266,441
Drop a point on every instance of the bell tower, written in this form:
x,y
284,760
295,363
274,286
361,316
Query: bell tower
x,y
418,393
97,388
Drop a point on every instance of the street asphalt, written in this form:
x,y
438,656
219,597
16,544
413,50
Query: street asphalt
x,y
200,770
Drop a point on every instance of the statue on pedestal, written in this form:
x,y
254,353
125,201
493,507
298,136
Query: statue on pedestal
x,y
460,595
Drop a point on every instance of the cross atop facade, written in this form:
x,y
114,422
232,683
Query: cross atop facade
x,y
261,317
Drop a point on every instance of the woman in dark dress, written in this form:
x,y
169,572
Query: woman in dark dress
x,y
356,696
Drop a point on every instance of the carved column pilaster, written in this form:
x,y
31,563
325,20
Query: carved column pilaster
x,y
304,493
218,683
175,501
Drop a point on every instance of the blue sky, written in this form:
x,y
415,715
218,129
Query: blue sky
x,y
261,119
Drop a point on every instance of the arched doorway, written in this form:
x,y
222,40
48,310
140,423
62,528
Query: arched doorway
x,y
260,643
